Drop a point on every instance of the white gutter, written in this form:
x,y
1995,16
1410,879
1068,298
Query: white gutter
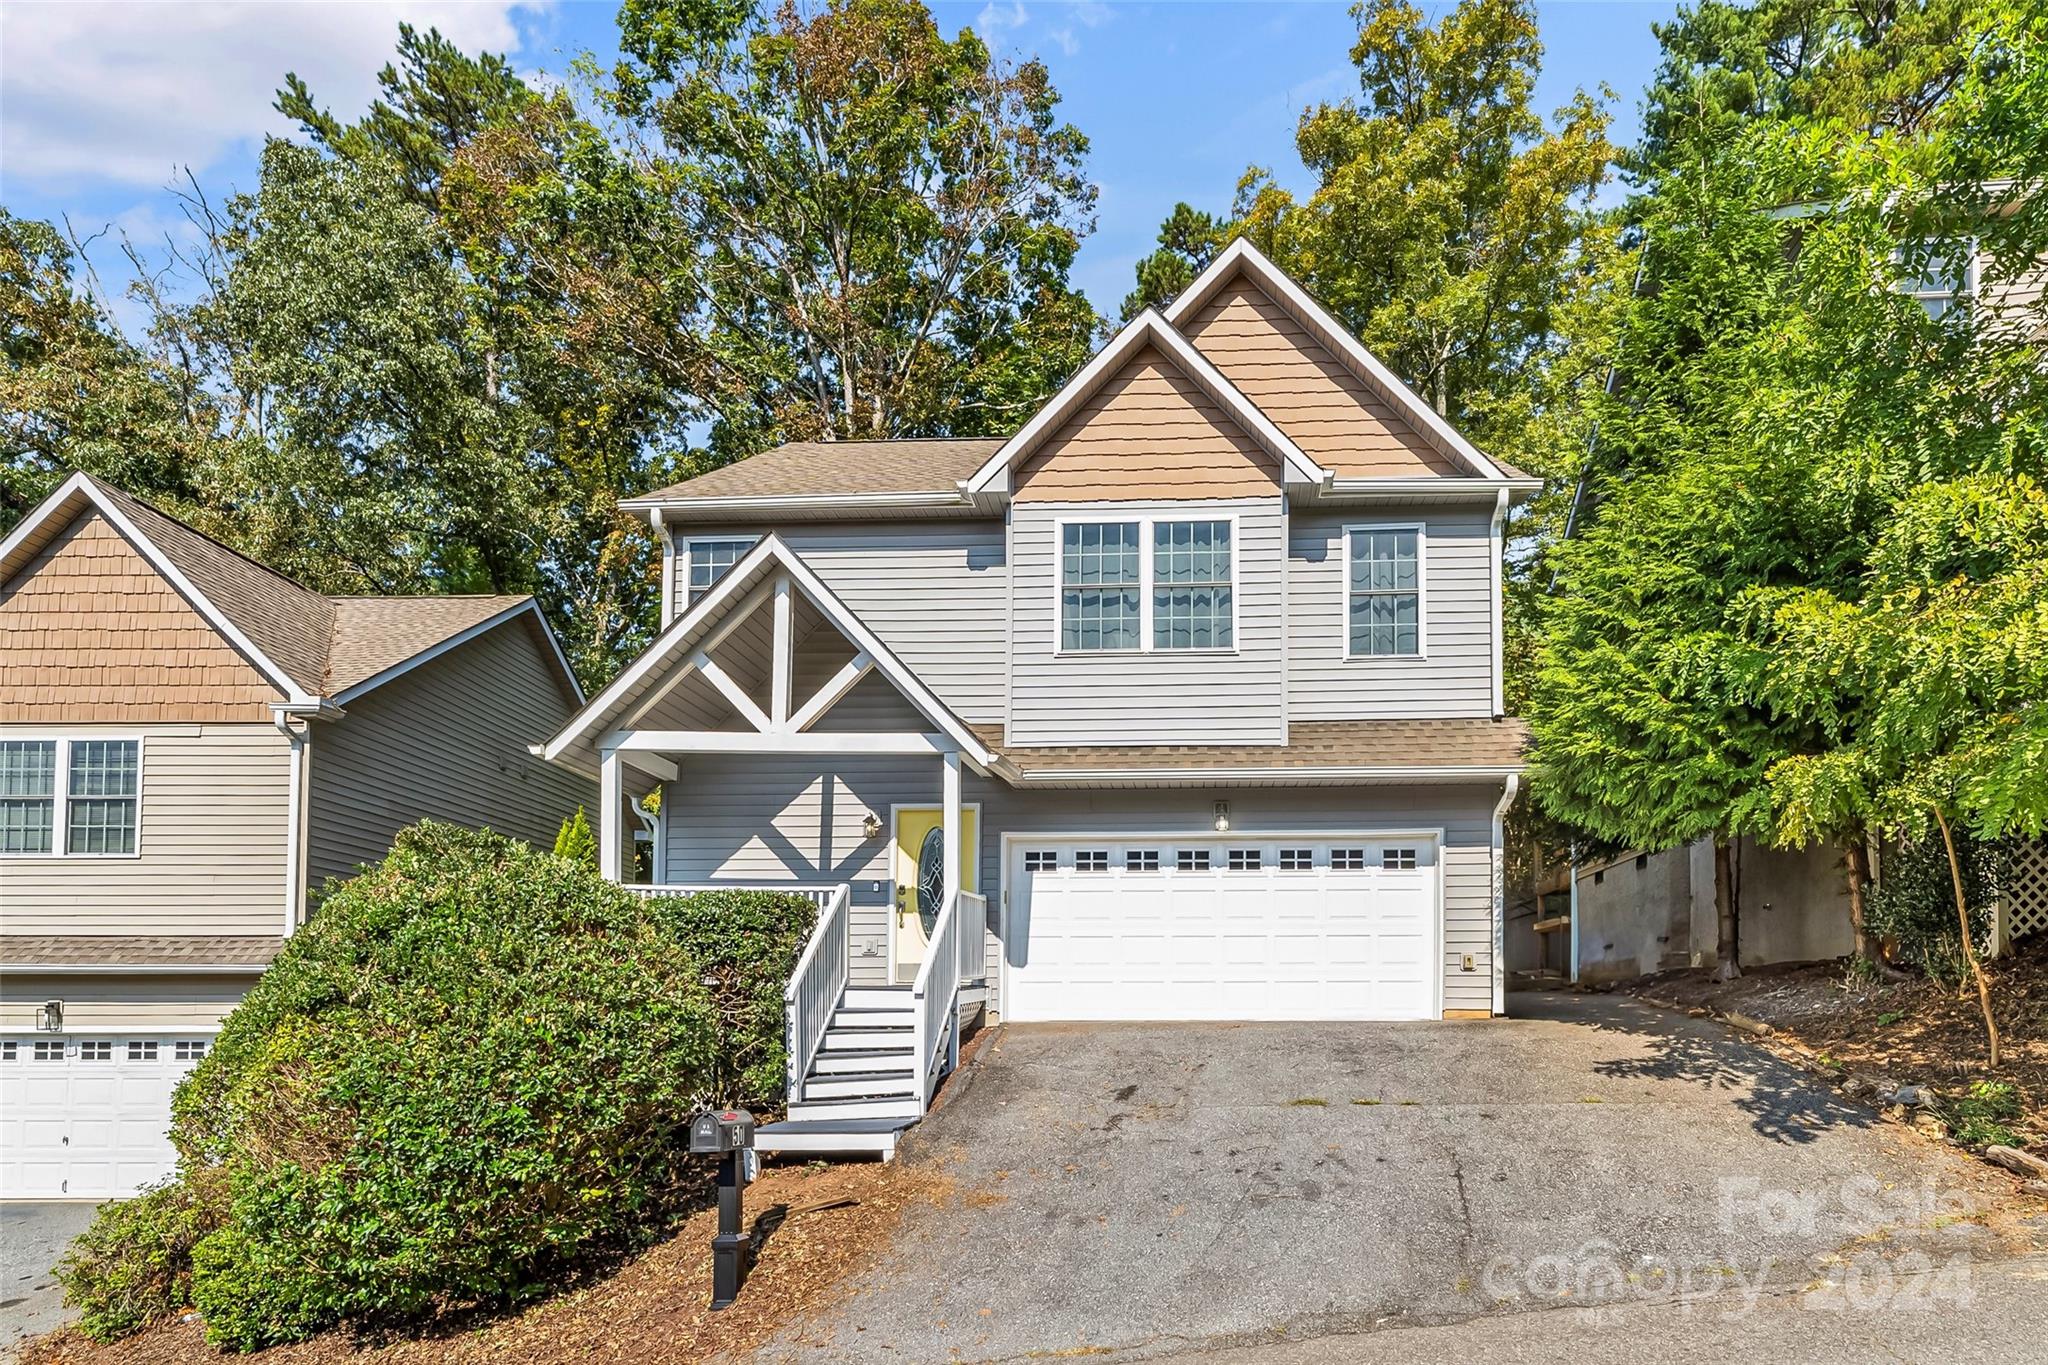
x,y
798,502
300,738
1500,894
659,521
1431,486
1494,608
1487,773
130,969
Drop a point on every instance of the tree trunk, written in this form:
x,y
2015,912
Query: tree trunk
x,y
1728,947
1856,859
1955,873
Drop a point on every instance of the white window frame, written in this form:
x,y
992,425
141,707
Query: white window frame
x,y
685,557
1144,521
1964,292
1421,530
60,816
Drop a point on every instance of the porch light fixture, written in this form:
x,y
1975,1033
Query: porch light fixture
x,y
871,826
50,1018
1222,809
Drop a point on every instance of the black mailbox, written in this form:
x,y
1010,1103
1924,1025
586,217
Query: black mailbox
x,y
727,1134
718,1131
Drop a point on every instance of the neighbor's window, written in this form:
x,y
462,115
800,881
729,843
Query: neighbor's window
x,y
709,559
97,813
1099,585
1386,590
1191,607
1944,277
104,785
28,794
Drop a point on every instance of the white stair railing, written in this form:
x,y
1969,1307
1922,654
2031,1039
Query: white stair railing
x,y
819,896
816,986
935,999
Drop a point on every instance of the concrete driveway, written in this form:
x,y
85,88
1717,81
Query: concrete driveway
x,y
33,1237
1157,1189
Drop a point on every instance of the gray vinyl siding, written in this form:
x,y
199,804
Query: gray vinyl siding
x,y
1148,698
755,820
934,592
445,741
210,848
1455,676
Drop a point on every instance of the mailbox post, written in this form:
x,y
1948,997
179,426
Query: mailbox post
x,y
727,1134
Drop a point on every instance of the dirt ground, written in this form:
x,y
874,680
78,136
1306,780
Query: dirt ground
x,y
1914,1031
834,1221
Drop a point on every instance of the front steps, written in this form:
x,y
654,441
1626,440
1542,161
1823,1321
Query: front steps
x,y
862,1089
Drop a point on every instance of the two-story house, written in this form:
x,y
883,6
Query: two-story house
x,y
1201,670
189,742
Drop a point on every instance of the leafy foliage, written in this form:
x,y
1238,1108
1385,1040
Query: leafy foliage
x,y
1984,1115
575,841
1913,905
469,1073
133,1266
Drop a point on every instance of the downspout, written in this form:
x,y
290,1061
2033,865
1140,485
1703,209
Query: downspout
x,y
1574,907
1500,894
1497,607
668,565
300,738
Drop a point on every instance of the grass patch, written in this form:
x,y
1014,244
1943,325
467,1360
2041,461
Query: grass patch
x,y
1366,1101
1308,1102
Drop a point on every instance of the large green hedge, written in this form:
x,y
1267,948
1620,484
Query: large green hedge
x,y
468,1073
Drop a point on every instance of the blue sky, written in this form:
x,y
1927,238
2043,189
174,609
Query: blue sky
x,y
101,105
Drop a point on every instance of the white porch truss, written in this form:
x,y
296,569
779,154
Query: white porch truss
x,y
707,665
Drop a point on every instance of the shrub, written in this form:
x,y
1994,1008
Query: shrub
x,y
575,842
1913,903
467,1075
1983,1117
134,1264
748,943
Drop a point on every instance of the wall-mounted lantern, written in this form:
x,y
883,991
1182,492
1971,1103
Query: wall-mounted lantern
x,y
1222,809
871,826
50,1017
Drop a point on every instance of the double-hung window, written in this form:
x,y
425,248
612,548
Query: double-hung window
x,y
70,797
1151,584
1384,591
707,559
1191,603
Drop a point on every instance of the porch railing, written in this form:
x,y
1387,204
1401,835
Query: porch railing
x,y
952,957
816,986
820,896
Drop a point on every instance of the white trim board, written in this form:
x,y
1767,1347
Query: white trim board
x,y
737,583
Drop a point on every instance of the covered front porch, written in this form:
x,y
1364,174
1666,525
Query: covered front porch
x,y
768,679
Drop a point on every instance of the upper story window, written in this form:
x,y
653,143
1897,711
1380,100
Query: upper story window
x,y
99,811
1149,584
1191,600
1384,591
707,559
1100,585
1944,279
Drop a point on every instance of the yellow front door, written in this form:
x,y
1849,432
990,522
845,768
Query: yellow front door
x,y
918,899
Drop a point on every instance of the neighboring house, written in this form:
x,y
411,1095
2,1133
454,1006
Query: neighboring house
x,y
188,742
1203,666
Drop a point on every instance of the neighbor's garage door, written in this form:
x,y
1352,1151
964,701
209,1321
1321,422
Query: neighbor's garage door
x,y
1232,929
88,1118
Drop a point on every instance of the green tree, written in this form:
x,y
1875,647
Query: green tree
x,y
1451,226
866,228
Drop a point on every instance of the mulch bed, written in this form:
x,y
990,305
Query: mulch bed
x,y
1913,1031
654,1309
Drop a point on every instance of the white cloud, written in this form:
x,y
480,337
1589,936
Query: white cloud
x,y
124,93
994,18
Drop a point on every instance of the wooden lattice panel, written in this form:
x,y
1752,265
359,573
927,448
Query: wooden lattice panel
x,y
2026,889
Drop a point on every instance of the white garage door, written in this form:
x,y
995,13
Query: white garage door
x,y
1224,929
88,1117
